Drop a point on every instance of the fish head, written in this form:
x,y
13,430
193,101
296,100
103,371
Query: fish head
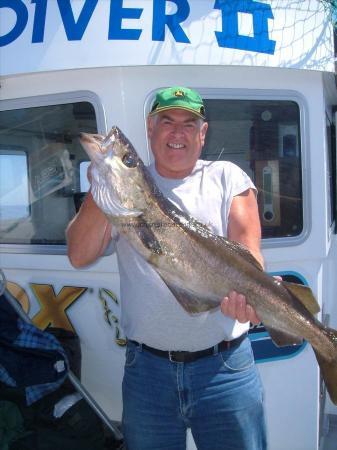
x,y
116,173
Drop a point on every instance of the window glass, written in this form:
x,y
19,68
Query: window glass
x,y
263,138
13,185
84,182
40,157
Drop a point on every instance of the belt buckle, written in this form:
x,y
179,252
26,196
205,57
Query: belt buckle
x,y
176,356
170,356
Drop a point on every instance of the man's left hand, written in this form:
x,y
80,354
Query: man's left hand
x,y
235,306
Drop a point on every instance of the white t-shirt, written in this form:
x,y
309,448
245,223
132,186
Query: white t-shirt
x,y
150,312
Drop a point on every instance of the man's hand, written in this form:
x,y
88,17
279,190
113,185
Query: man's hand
x,y
236,307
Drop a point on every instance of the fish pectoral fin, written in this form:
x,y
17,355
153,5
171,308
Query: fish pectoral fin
x,y
282,338
304,295
147,236
190,301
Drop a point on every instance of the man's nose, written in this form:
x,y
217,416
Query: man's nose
x,y
178,128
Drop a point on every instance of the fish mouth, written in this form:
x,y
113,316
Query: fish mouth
x,y
92,143
86,137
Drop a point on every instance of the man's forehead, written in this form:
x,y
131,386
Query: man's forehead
x,y
178,114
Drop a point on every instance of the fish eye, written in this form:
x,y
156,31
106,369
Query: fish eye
x,y
129,160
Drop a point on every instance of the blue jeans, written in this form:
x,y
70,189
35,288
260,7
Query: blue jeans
x,y
219,397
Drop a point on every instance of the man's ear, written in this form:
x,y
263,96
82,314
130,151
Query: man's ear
x,y
203,132
149,126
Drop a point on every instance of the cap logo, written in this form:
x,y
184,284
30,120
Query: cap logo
x,y
179,93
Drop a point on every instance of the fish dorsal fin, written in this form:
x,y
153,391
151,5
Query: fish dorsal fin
x,y
282,338
304,295
242,250
201,232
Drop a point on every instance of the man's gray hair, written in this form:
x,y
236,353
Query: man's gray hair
x,y
200,121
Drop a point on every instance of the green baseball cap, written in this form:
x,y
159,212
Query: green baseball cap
x,y
178,97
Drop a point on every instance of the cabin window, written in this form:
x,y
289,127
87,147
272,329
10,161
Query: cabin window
x,y
263,138
41,163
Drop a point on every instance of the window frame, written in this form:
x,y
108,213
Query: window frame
x,y
52,100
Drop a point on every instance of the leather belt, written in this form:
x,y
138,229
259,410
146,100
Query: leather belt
x,y
183,356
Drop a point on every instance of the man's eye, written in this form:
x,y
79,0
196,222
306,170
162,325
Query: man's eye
x,y
189,126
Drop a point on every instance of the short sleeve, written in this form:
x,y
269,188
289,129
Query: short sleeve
x,y
235,181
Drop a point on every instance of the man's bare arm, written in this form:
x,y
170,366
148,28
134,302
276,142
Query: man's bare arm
x,y
244,227
88,234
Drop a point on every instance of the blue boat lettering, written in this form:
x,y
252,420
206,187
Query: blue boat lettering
x,y
163,23
229,36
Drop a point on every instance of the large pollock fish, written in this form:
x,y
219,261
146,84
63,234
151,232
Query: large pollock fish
x,y
197,266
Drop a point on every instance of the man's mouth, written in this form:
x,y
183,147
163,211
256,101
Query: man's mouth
x,y
175,145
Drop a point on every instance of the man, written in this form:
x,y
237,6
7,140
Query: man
x,y
184,370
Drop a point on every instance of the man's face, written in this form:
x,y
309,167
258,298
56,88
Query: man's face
x,y
176,137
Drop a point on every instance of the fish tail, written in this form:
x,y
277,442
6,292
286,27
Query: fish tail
x,y
329,366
